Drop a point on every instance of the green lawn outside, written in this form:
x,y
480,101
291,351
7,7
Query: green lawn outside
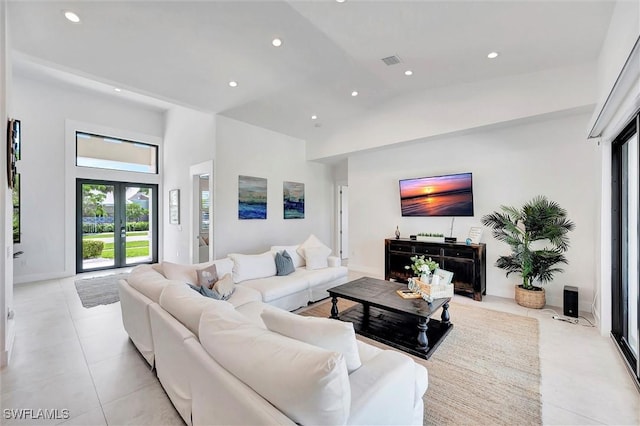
x,y
131,252
133,249
110,235
130,244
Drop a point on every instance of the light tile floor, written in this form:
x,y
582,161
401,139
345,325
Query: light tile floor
x,y
69,357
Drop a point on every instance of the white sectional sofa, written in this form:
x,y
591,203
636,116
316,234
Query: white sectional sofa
x,y
220,364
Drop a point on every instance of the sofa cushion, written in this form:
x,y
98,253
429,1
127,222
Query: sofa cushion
x,y
322,276
366,351
178,272
310,385
225,286
312,241
243,295
298,260
252,266
317,257
208,276
284,264
147,281
223,266
273,288
332,335
186,305
253,312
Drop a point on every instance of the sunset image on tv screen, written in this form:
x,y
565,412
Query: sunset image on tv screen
x,y
449,195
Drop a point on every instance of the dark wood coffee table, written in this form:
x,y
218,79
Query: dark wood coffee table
x,y
383,315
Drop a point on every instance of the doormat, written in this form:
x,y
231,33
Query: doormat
x,y
100,290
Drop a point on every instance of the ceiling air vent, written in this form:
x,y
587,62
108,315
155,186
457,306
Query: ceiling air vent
x,y
391,60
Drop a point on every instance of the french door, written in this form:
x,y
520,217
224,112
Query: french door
x,y
116,224
625,326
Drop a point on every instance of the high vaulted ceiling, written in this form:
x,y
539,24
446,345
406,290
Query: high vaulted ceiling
x,y
187,52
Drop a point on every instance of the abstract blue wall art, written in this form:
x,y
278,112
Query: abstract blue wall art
x,y
293,197
252,197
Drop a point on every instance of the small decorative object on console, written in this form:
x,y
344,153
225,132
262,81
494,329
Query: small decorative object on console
x,y
397,233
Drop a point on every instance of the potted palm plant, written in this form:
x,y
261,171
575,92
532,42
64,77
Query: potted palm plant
x,y
537,235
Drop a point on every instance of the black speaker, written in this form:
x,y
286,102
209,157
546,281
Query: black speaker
x,y
571,301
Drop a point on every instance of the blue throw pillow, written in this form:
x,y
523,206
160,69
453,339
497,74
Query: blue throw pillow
x,y
284,264
206,292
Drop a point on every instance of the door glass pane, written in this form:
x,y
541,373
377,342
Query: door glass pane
x,y
631,270
139,223
97,226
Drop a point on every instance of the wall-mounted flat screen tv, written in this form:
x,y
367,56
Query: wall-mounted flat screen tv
x,y
448,195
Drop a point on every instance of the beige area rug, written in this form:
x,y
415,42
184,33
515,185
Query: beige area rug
x,y
485,372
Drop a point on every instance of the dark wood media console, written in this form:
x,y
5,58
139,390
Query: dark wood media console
x,y
467,262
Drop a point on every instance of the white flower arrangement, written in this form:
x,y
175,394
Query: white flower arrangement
x,y
422,266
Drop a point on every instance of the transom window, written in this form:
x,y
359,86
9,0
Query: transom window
x,y
104,152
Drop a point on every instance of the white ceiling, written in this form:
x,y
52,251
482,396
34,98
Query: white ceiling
x,y
186,52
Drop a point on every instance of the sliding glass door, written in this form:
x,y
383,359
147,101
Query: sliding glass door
x,y
116,224
626,245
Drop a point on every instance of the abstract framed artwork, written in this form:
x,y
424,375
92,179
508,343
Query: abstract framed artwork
x,y
293,199
252,197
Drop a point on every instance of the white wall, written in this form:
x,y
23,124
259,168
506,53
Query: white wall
x,y
243,149
456,108
44,108
7,326
189,139
510,166
624,30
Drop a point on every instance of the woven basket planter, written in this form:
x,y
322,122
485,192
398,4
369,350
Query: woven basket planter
x,y
534,299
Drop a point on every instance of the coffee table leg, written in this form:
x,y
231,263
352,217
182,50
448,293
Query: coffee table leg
x,y
445,317
423,341
334,307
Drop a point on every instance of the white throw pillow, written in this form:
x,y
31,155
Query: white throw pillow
x,y
298,261
310,385
317,257
184,273
252,266
329,334
312,241
225,286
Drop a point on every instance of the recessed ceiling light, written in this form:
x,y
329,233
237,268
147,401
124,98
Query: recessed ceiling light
x,y
493,55
314,117
117,89
408,72
233,83
341,1
354,93
276,42
71,16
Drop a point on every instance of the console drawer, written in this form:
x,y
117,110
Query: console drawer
x,y
402,247
461,252
428,250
